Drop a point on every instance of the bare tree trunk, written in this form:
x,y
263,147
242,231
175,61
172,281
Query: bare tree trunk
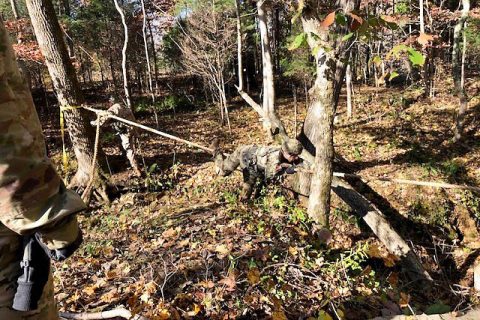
x,y
62,73
239,46
154,54
271,122
66,8
112,68
224,101
317,131
464,54
267,66
349,85
422,18
126,86
457,70
13,3
147,57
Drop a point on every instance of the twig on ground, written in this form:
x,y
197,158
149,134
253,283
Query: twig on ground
x,y
110,314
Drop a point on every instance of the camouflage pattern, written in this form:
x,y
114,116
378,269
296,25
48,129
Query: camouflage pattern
x,y
259,165
33,197
127,134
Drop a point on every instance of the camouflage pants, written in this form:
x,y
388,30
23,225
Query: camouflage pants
x,y
128,144
10,257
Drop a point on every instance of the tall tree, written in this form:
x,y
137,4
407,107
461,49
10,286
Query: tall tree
x,y
457,69
126,86
147,56
267,66
239,45
13,3
271,121
62,72
331,54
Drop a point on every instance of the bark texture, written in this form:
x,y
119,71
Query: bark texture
x,y
49,36
13,3
126,86
317,131
457,70
271,122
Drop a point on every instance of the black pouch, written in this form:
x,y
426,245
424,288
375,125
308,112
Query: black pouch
x,y
35,266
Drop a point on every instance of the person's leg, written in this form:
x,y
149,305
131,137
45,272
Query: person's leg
x,y
249,181
10,256
128,145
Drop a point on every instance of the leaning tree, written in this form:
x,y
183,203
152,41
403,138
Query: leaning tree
x,y
50,39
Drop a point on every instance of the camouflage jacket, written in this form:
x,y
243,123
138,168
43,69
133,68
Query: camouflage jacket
x,y
122,111
33,197
264,160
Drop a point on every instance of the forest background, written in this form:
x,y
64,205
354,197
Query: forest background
x,y
373,88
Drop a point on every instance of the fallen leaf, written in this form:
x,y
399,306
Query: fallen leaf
x,y
374,251
169,233
293,251
222,249
322,315
253,276
424,38
195,310
230,282
329,20
279,315
110,296
393,279
90,290
404,300
389,18
390,259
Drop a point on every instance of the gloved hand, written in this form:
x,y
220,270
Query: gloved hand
x,y
291,170
61,240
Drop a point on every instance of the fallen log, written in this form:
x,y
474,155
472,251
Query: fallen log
x,y
380,226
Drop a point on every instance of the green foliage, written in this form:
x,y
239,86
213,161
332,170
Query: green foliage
x,y
173,102
415,57
298,41
298,65
156,181
472,203
6,9
393,75
437,308
107,137
184,7
171,54
472,33
402,7
167,103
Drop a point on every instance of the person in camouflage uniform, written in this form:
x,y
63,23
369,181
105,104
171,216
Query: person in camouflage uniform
x,y
127,134
33,198
259,164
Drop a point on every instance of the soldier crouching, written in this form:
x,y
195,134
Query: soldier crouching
x,y
260,165
127,134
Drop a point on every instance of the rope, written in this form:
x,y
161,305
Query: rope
x,y
157,132
336,174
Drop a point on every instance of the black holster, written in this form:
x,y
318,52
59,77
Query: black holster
x,y
35,266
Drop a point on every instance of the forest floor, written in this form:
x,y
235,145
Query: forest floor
x,y
179,244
